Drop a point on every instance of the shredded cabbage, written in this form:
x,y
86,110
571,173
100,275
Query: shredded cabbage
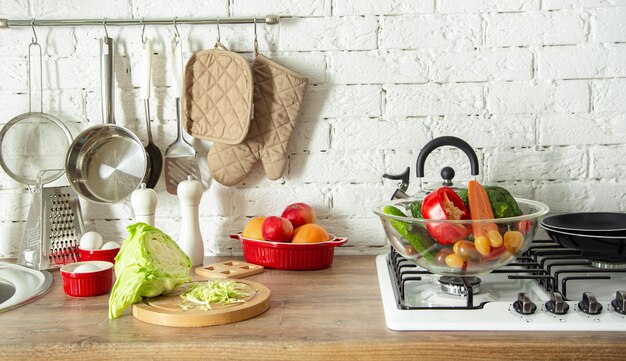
x,y
223,291
149,263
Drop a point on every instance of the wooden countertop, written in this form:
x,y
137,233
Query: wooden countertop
x,y
329,314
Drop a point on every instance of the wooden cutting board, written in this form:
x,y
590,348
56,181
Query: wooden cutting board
x,y
166,310
229,269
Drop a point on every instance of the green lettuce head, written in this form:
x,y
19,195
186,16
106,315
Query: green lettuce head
x,y
148,264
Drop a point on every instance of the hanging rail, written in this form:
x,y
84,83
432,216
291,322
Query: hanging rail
x,y
6,23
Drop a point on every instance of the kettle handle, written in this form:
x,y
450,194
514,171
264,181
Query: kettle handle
x,y
446,141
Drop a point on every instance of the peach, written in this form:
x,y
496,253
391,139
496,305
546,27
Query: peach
x,y
299,214
253,228
277,229
310,233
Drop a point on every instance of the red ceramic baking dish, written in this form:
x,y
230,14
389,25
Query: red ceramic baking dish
x,y
289,256
86,284
107,255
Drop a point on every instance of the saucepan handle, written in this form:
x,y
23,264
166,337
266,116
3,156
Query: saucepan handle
x,y
106,78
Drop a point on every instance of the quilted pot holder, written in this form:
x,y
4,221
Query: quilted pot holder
x,y
278,96
218,96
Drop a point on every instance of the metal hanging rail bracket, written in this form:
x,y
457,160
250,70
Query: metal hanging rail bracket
x,y
6,23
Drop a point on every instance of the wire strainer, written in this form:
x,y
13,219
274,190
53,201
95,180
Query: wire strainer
x,y
34,141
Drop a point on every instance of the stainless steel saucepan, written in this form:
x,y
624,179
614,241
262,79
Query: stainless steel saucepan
x,y
106,162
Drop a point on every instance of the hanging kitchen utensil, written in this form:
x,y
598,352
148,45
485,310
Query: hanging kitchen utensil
x,y
106,162
154,163
29,144
34,141
278,96
180,156
218,95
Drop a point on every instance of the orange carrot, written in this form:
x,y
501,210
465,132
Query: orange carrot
x,y
480,208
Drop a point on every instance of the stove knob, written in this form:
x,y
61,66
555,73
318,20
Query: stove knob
x,y
619,303
589,304
524,305
556,304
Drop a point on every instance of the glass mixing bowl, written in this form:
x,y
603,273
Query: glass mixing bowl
x,y
470,256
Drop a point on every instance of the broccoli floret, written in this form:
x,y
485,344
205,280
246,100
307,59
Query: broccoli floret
x,y
502,202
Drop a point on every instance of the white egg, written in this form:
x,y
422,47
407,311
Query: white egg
x,y
110,245
86,268
90,241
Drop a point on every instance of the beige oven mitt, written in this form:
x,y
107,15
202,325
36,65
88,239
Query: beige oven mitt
x,y
218,96
278,95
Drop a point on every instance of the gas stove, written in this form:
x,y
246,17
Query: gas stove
x,y
548,288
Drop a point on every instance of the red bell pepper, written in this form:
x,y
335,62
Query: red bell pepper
x,y
444,203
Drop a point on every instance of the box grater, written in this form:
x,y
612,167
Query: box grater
x,y
53,229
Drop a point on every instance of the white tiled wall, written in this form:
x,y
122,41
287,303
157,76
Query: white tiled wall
x,y
536,86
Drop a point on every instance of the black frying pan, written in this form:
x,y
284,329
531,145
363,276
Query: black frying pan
x,y
600,236
588,223
602,248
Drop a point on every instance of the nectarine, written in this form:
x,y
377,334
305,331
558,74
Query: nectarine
x,y
277,229
299,214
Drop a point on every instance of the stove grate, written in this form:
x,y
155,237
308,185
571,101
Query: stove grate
x,y
545,262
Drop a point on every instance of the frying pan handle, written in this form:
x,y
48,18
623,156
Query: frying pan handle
x,y
146,59
176,50
443,141
106,79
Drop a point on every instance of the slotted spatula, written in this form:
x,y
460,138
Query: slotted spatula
x,y
180,156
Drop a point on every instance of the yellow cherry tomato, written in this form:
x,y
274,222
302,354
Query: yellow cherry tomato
x,y
454,261
513,241
455,246
495,238
466,250
482,245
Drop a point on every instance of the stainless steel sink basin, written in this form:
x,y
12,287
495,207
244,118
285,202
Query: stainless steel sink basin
x,y
20,285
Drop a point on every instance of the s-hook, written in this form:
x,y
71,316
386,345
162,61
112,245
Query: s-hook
x,y
104,24
176,31
34,40
219,35
256,41
143,31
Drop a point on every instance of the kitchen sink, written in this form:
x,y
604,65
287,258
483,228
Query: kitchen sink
x,y
20,285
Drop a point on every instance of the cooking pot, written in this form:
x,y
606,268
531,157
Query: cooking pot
x,y
106,162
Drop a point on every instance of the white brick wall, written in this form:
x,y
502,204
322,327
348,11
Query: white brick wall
x,y
536,86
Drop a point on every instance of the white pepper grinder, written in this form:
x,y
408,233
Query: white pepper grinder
x,y
144,202
190,240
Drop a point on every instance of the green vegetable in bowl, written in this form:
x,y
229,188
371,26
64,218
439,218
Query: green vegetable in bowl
x,y
417,235
416,209
148,264
502,202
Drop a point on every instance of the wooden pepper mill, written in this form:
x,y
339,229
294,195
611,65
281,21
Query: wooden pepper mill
x,y
190,240
144,202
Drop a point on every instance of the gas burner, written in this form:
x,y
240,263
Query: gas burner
x,y
608,265
459,286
